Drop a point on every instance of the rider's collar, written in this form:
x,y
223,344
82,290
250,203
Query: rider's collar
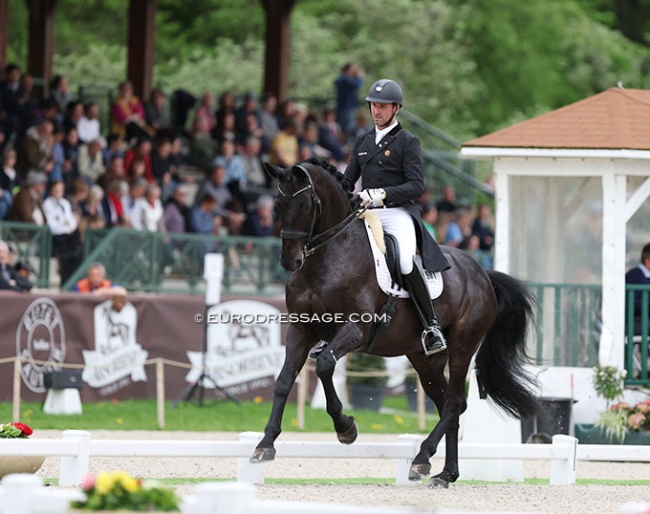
x,y
380,133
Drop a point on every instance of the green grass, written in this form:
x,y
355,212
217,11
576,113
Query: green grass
x,y
214,416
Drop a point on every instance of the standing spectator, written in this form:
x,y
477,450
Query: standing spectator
x,y
284,147
28,203
9,181
147,212
9,279
88,126
176,212
10,94
156,110
347,85
29,112
60,92
127,114
63,224
90,162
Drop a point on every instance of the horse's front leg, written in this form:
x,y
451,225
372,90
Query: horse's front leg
x,y
297,349
348,338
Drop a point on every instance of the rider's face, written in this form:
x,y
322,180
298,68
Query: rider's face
x,y
382,113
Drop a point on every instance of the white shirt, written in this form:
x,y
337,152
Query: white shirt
x,y
145,216
88,130
59,216
379,134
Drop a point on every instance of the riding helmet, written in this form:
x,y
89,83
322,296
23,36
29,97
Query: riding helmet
x,y
386,91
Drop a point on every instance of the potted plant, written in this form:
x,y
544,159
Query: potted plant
x,y
10,464
367,380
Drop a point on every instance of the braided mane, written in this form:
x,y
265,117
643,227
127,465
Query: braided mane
x,y
334,173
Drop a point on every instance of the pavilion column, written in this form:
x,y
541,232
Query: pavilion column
x,y
41,42
142,26
4,34
276,60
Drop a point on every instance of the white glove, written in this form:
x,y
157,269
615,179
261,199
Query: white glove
x,y
372,197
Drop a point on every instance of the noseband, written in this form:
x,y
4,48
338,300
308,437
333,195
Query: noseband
x,y
292,234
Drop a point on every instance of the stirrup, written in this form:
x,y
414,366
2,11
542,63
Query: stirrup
x,y
315,353
439,346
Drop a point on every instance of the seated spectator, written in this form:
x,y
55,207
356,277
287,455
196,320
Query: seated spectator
x,y
147,213
127,114
90,161
205,116
71,154
460,229
226,204
203,219
447,204
249,107
29,113
58,156
203,147
88,126
74,113
472,246
115,214
94,281
9,279
35,150
261,222
77,196
284,147
94,212
330,135
176,212
429,219
483,227
162,165
232,163
256,178
23,269
28,203
226,128
60,92
268,121
141,150
156,110
309,146
137,191
114,171
9,181
114,147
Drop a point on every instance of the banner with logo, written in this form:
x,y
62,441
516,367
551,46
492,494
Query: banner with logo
x,y
240,349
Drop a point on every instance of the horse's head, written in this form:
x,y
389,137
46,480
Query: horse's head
x,y
309,201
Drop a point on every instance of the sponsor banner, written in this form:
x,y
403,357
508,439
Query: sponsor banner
x,y
113,339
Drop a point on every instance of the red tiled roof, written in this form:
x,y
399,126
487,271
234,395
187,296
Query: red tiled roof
x,y
614,119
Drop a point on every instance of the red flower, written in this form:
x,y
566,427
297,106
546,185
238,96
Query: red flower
x,y
25,431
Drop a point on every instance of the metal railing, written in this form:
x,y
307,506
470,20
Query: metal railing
x,y
173,263
30,243
636,335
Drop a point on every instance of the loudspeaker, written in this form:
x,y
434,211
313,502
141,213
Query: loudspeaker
x,y
65,379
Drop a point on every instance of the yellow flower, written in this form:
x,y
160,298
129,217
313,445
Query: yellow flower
x,y
258,400
398,419
119,421
376,426
129,483
104,483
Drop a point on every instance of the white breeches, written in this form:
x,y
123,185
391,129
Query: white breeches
x,y
397,222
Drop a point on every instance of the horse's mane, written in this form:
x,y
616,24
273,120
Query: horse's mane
x,y
333,172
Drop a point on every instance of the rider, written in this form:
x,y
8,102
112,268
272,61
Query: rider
x,y
389,161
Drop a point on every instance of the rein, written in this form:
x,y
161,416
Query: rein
x,y
311,241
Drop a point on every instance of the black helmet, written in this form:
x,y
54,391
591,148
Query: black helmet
x,y
385,91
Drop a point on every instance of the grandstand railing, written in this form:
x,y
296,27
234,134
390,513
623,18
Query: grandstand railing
x,y
173,263
31,243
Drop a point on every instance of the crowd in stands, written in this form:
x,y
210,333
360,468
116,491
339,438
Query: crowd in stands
x,y
62,168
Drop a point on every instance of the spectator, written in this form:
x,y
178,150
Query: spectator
x,y
127,114
58,156
640,276
256,178
90,161
9,99
176,212
142,150
429,219
309,146
88,126
29,113
114,146
483,227
249,107
226,106
284,147
23,269
203,219
115,214
203,147
35,151
74,114
226,205
268,121
448,202
63,224
162,165
205,115
94,212
260,223
329,135
147,213
95,279
114,171
60,92
156,111
136,191
78,196
232,163
28,203
71,154
9,279
460,229
226,128
9,181
347,85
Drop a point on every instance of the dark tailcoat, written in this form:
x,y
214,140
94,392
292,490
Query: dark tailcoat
x,y
395,165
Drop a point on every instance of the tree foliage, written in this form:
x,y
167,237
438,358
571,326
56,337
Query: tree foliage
x,y
468,66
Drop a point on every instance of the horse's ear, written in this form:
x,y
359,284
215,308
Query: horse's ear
x,y
276,172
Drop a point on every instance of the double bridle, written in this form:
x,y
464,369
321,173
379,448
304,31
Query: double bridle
x,y
292,234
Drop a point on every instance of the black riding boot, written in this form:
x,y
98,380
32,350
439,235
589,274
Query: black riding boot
x,y
433,341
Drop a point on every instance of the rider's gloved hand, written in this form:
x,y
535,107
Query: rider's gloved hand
x,y
372,197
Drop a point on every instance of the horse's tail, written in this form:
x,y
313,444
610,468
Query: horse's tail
x,y
500,359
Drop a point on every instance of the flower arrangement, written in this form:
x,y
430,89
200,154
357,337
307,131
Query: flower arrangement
x,y
120,491
608,382
637,416
15,431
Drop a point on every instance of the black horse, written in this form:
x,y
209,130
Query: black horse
x,y
327,248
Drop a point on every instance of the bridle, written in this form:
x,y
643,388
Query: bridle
x,y
313,241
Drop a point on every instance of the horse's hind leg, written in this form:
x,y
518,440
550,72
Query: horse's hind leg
x,y
297,348
346,428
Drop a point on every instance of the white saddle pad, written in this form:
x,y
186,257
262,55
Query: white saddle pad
x,y
384,279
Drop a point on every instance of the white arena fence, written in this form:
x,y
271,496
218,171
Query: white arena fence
x,y
76,447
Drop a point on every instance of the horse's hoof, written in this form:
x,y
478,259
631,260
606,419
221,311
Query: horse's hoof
x,y
438,483
262,455
419,471
349,436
